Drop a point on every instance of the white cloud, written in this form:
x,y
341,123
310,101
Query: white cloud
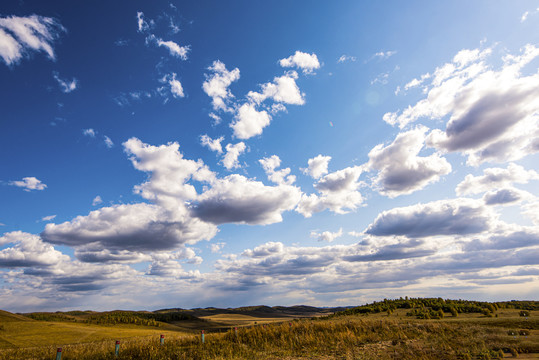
x,y
48,218
383,55
175,85
493,114
97,200
134,227
215,248
345,58
108,141
327,236
282,176
89,132
283,89
143,25
318,166
167,185
401,170
237,199
307,62
230,159
506,196
212,144
249,122
27,251
66,86
216,85
338,192
29,183
416,82
524,16
494,178
19,36
216,119
531,210
174,49
457,217
382,78
94,253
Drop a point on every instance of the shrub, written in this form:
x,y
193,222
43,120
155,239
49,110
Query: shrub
x,y
513,352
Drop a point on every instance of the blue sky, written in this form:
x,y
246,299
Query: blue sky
x,y
180,154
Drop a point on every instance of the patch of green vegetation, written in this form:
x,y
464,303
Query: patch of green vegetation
x,y
436,308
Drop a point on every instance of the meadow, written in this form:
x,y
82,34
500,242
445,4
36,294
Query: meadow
x,y
393,329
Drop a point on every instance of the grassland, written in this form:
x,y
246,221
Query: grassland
x,y
352,334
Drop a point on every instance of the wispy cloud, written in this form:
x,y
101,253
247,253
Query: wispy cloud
x,y
346,58
48,218
20,36
89,132
66,86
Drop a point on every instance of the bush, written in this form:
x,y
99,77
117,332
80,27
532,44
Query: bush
x,y
514,352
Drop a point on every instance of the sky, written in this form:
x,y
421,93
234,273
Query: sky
x,y
328,153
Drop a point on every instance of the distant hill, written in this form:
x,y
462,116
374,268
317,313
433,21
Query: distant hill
x,y
260,311
9,317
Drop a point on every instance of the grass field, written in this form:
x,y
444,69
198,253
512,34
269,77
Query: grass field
x,y
380,335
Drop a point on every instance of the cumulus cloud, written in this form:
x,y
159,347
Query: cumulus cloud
x,y
505,196
20,36
233,152
400,168
282,176
94,253
66,86
29,183
456,217
283,89
307,62
217,83
249,121
27,250
170,172
237,199
212,144
447,82
493,114
524,16
327,236
176,88
318,166
494,178
338,192
531,210
134,227
48,218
